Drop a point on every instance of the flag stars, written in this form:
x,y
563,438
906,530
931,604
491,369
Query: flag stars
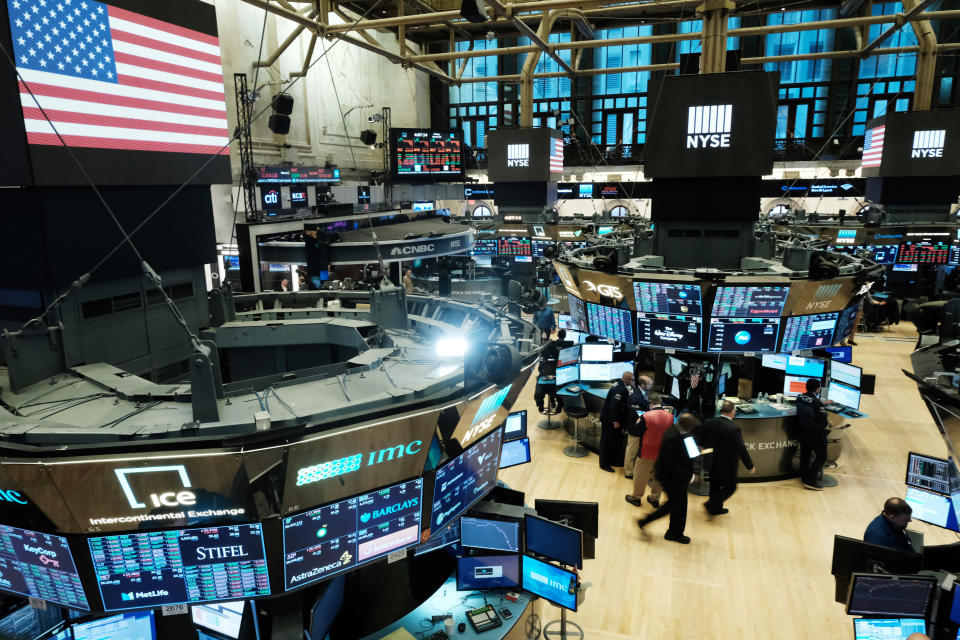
x,y
109,74
99,50
77,69
18,22
100,10
69,18
57,49
43,3
16,4
23,59
32,52
29,33
93,71
60,66
21,41
100,64
43,62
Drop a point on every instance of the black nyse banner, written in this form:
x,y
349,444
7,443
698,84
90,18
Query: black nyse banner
x,y
524,155
913,144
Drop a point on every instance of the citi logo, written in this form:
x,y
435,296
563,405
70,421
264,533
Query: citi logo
x,y
928,144
271,197
411,249
161,499
518,155
709,126
604,290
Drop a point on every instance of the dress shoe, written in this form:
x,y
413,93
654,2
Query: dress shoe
x,y
815,486
607,469
653,502
630,477
672,537
718,512
851,343
637,502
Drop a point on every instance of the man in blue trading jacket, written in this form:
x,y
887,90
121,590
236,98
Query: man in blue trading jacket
x,y
613,420
889,529
812,434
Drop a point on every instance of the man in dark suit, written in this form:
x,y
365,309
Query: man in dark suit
x,y
674,470
812,433
723,434
613,420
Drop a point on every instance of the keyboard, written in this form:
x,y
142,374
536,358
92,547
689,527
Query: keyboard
x,y
484,618
747,409
574,389
836,408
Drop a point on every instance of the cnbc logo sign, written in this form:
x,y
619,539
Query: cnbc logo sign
x,y
355,462
709,126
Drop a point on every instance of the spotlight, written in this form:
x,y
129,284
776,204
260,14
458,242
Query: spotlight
x,y
451,347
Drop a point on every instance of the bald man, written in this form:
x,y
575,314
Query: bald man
x,y
639,403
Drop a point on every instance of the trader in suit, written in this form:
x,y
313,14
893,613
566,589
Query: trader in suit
x,y
674,470
613,420
812,434
639,403
889,529
723,434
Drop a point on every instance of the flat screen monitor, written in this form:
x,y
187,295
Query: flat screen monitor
x,y
493,535
843,394
776,361
515,452
515,426
617,369
852,556
670,298
806,367
808,332
578,313
550,582
924,252
522,259
845,373
595,372
722,385
840,354
794,385
345,534
566,375
674,366
610,322
873,594
928,473
670,331
449,536
483,261
224,618
887,628
568,356
846,322
426,155
553,540
514,246
905,267
596,352
564,321
39,565
488,572
932,508
484,247
137,625
28,623
750,301
463,481
572,513
743,335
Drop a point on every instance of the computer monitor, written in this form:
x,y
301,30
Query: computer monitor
x,y
565,321
515,426
617,369
855,556
722,385
887,628
594,372
794,385
488,572
808,332
522,259
776,361
464,480
843,394
596,352
550,582
806,367
873,594
568,356
493,535
449,536
134,625
932,508
928,473
840,354
579,515
846,373
483,261
566,375
515,452
553,540
224,618
905,267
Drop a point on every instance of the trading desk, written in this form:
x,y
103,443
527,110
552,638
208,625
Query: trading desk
x,y
460,287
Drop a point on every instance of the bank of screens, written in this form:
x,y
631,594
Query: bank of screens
x,y
843,394
514,246
550,582
493,535
807,367
884,253
742,335
928,473
794,385
464,480
669,298
515,452
484,247
553,540
750,302
845,323
426,154
887,628
343,535
488,572
775,361
595,372
594,352
568,356
610,322
566,375
808,332
932,508
39,565
127,626
224,618
845,373
890,595
669,331
924,253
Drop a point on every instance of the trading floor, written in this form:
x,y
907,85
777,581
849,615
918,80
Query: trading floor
x,y
763,570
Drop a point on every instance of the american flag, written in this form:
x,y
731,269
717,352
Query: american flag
x,y
873,147
556,155
113,79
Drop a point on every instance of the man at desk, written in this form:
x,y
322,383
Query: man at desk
x,y
613,416
889,529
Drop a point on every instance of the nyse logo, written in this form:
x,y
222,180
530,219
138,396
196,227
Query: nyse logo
x,y
271,197
479,428
823,297
160,499
518,155
604,290
412,249
928,144
709,126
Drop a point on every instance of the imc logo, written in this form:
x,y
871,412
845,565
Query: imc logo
x,y
709,126
349,464
928,144
8,495
271,197
159,499
518,155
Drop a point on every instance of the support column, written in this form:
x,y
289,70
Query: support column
x,y
713,43
926,59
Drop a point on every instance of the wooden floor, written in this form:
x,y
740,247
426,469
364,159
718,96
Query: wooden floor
x,y
763,570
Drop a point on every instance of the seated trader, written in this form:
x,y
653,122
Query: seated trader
x,y
649,428
889,529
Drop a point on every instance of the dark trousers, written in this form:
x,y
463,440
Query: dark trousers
x,y
722,487
611,445
812,444
545,391
675,507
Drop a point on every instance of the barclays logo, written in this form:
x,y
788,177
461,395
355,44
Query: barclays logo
x,y
386,511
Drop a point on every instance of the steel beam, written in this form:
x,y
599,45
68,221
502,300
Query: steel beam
x,y
902,19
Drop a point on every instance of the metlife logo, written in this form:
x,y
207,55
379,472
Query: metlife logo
x,y
709,126
518,155
928,144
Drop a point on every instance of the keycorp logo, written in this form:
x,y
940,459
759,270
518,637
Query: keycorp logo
x,y
518,155
604,289
709,126
165,499
928,144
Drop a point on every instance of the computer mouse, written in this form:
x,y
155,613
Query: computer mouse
x,y
462,627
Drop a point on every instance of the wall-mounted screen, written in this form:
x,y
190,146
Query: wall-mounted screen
x,y
426,155
670,331
808,332
550,582
750,301
669,298
743,335
484,247
463,481
514,246
488,572
39,565
610,322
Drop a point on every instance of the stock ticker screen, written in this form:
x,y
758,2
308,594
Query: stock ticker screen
x,y
809,332
343,535
609,322
924,253
39,565
927,472
664,297
464,480
426,153
514,246
750,301
666,330
139,570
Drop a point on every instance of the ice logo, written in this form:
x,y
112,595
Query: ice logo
x,y
364,517
742,337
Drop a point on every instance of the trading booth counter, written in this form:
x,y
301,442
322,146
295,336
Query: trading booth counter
x,y
447,600
460,287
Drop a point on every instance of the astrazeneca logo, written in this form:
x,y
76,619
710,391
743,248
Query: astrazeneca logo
x,y
164,499
709,126
604,290
928,144
518,155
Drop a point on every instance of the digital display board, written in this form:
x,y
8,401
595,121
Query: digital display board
x,y
924,253
912,144
464,480
39,565
808,332
514,246
298,197
742,335
884,253
750,301
343,535
496,535
550,582
540,245
297,175
426,154
664,297
140,570
609,322
523,155
578,313
270,199
666,330
484,247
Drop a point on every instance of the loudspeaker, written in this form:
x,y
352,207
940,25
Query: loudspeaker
x,y
283,104
368,136
868,382
474,11
823,266
279,124
606,260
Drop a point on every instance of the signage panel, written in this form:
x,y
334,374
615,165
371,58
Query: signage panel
x,y
818,296
913,144
489,409
523,155
39,565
